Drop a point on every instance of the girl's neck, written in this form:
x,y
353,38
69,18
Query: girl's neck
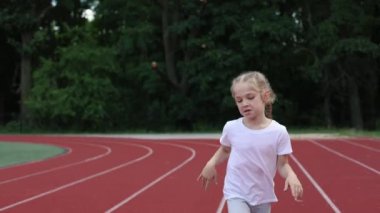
x,y
258,123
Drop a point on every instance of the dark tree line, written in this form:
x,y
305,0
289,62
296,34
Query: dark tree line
x,y
60,71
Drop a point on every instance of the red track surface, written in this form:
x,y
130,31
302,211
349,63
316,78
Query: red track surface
x,y
99,174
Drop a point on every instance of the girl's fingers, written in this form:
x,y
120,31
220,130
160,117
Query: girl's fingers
x,y
205,181
298,193
296,190
286,186
206,184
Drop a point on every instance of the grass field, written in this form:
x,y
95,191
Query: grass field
x,y
18,153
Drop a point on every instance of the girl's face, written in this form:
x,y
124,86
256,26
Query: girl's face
x,y
248,100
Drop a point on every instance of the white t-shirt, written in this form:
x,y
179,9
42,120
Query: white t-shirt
x,y
252,163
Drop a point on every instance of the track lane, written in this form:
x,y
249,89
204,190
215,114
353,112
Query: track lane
x,y
180,191
30,174
370,142
342,181
152,185
312,200
190,197
352,187
78,153
335,148
39,186
365,156
111,185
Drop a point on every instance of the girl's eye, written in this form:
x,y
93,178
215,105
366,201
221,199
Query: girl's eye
x,y
251,97
238,100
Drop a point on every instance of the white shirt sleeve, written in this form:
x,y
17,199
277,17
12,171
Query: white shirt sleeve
x,y
224,138
284,144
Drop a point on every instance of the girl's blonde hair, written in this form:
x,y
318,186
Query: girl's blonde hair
x,y
259,83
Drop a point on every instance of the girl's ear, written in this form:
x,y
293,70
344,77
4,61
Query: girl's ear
x,y
266,96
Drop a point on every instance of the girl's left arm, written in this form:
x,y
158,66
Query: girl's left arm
x,y
291,179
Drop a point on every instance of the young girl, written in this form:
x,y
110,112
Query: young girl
x,y
256,146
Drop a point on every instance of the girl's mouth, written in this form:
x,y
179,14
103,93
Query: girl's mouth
x,y
246,111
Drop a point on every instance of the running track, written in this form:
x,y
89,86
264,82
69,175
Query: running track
x,y
119,174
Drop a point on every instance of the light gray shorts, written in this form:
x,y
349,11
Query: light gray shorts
x,y
237,205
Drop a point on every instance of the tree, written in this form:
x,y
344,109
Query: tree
x,y
199,47
75,91
339,37
328,50
23,18
26,23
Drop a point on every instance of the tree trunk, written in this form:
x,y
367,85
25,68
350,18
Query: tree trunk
x,y
327,97
26,73
327,112
2,110
354,101
370,88
168,48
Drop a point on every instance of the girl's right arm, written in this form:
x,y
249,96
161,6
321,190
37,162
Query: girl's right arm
x,y
209,171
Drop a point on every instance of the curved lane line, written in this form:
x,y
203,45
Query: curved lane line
x,y
150,152
222,202
346,157
109,150
154,182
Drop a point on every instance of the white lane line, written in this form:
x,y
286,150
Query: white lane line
x,y
61,167
221,205
373,139
316,185
150,152
222,201
346,157
154,182
311,179
361,145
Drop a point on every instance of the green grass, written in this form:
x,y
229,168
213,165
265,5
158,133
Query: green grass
x,y
18,153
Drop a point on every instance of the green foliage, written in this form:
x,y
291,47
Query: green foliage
x,y
75,91
318,49
353,46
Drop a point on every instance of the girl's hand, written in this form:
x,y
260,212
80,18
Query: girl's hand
x,y
208,174
295,186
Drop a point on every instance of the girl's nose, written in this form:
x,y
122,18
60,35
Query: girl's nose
x,y
244,102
